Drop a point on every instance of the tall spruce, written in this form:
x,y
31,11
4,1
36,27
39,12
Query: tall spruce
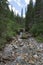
x,y
37,28
38,11
22,12
3,16
42,10
4,9
29,13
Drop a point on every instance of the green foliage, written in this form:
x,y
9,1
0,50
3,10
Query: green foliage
x,y
29,16
39,39
37,29
33,30
34,19
2,43
9,23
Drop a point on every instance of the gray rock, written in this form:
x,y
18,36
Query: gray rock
x,y
21,44
15,46
36,56
7,51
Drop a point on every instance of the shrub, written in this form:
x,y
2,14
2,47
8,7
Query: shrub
x,y
37,29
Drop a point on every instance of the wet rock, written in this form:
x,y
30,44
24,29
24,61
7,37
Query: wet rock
x,y
21,34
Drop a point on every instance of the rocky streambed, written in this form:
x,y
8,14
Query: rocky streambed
x,y
22,52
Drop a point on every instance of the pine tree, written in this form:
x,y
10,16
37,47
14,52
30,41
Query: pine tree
x,y
41,11
4,8
37,28
3,16
29,14
22,12
38,11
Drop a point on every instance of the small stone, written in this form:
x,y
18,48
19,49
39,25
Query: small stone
x,y
20,40
38,47
30,45
26,54
41,45
17,63
36,56
31,62
27,45
12,53
22,56
15,46
21,45
16,41
0,55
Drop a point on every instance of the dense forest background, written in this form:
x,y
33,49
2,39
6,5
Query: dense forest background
x,y
34,19
11,23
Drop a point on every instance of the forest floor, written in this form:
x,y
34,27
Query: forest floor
x,y
22,52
